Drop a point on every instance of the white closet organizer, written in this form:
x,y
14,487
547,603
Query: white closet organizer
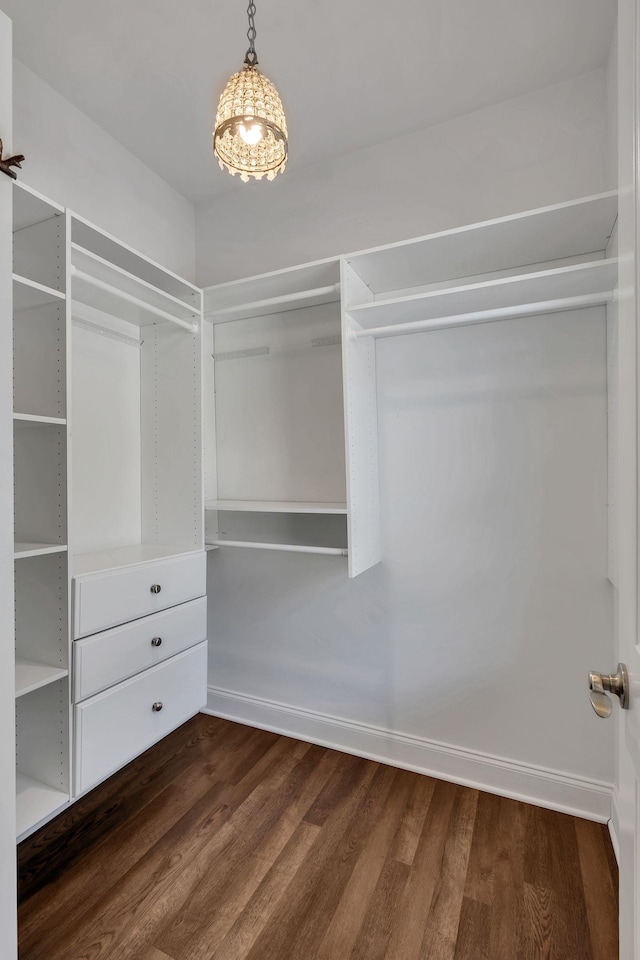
x,y
534,263
138,563
280,478
277,475
40,365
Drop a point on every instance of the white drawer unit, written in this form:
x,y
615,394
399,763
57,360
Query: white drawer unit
x,y
116,725
106,599
104,659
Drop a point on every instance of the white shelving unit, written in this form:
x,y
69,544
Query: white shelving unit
x,y
136,406
42,636
279,478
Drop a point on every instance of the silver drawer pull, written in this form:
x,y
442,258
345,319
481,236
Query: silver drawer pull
x,y
157,707
156,642
155,588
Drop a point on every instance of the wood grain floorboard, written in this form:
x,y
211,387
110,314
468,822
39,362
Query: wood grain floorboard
x,y
224,842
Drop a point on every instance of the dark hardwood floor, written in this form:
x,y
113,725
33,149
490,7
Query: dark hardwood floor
x,y
224,842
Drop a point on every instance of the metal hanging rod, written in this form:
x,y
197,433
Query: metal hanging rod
x,y
487,316
276,301
285,547
189,325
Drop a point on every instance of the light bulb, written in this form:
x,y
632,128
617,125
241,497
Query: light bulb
x,y
252,134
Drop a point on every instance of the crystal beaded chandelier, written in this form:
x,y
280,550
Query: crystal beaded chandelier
x,y
250,137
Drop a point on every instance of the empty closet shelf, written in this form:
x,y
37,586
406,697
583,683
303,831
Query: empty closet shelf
x,y
28,294
35,801
22,550
284,547
276,506
575,280
31,675
28,419
111,299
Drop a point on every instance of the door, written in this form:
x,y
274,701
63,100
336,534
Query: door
x,y
626,812
7,668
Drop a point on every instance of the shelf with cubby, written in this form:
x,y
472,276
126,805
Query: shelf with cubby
x,y
23,551
276,346
42,635
29,294
31,675
36,802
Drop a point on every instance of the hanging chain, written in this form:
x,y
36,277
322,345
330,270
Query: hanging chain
x,y
251,57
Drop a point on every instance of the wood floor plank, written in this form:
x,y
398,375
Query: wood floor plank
x,y
480,869
508,933
473,930
600,888
406,841
349,915
439,941
304,917
248,861
267,898
408,929
539,912
227,843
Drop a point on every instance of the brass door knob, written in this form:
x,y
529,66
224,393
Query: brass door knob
x,y
601,684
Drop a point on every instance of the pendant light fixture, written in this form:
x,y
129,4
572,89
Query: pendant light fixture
x,y
250,137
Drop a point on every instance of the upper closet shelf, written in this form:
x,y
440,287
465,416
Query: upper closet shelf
x,y
27,294
96,241
562,231
576,280
30,207
269,293
112,290
275,506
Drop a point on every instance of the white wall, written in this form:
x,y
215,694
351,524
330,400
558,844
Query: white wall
x,y
545,147
73,161
492,602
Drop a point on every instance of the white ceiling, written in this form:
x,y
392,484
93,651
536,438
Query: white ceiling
x,y
350,74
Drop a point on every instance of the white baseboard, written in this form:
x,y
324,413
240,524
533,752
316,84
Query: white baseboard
x,y
520,781
613,825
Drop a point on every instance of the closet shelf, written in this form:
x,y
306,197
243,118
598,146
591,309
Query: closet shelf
x,y
24,550
35,801
565,230
121,283
110,299
27,294
118,557
31,675
30,207
280,304
575,280
284,547
275,506
28,419
307,286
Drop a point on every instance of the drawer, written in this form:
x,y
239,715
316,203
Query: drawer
x,y
103,600
115,726
106,658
